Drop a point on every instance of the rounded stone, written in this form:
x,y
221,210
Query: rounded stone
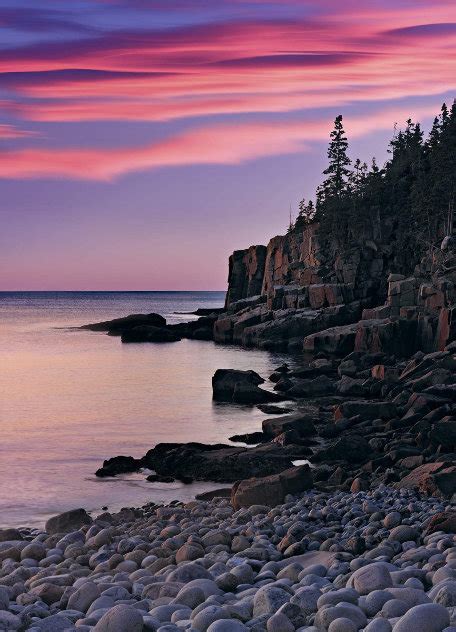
x,y
393,608
121,617
428,617
83,597
268,600
227,625
279,623
374,576
34,550
378,625
205,617
326,615
342,625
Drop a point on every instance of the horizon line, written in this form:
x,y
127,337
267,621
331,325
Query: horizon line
x,y
111,291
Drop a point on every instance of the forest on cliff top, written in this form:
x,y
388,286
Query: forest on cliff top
x,y
414,191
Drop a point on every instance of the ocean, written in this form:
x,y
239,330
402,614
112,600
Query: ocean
x,y
70,398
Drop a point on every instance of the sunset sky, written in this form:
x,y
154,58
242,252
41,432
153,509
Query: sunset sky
x,y
141,141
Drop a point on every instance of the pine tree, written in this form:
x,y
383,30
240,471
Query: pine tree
x,y
410,201
338,170
306,214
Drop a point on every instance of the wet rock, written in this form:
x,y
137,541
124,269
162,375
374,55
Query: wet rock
x,y
118,325
224,382
118,465
68,521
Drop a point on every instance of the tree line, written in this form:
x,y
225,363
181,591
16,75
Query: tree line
x,y
414,193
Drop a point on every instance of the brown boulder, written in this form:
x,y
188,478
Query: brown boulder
x,y
271,490
68,521
435,479
10,534
444,521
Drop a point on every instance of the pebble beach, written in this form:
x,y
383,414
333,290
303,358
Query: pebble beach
x,y
375,561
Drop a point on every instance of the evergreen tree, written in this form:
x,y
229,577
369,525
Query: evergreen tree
x,y
338,170
306,214
412,197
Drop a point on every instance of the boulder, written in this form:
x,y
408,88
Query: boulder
x,y
68,521
428,617
120,617
435,479
444,521
10,534
271,490
371,577
300,422
335,340
118,465
224,382
351,387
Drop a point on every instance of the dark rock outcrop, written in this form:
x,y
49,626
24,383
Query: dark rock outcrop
x,y
241,387
118,465
149,333
118,325
219,462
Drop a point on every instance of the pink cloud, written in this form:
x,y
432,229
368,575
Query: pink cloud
x,y
11,131
212,144
351,53
240,67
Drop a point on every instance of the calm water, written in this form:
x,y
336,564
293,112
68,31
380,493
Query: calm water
x,y
71,398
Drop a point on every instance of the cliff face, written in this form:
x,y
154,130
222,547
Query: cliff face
x,y
245,273
301,292
300,260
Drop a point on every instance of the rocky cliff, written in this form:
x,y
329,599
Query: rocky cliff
x,y
302,293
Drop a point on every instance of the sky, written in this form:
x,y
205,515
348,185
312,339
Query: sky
x,y
142,141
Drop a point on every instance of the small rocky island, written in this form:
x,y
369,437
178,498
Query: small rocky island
x,y
339,514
